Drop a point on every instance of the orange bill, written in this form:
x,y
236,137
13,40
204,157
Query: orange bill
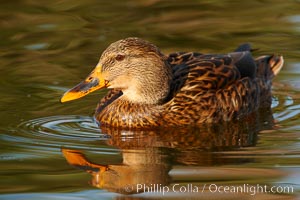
x,y
93,82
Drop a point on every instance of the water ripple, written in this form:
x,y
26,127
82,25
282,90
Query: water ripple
x,y
286,108
66,127
49,134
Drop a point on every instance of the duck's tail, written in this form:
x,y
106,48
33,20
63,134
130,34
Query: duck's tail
x,y
276,62
269,66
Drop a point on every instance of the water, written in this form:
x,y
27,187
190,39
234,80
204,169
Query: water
x,y
48,47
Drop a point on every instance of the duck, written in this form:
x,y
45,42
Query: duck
x,y
148,89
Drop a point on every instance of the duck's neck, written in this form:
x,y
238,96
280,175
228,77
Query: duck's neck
x,y
149,87
122,113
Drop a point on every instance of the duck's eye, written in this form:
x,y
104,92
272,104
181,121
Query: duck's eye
x,y
120,57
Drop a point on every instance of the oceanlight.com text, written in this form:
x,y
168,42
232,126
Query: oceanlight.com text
x,y
251,189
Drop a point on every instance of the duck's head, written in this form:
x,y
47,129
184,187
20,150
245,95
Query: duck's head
x,y
132,65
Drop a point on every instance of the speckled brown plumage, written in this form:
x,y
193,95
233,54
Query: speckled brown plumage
x,y
204,89
150,89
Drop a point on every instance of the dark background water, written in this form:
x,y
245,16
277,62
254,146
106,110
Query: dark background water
x,y
47,47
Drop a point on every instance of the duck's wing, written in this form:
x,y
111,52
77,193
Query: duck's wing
x,y
221,70
201,87
178,58
214,87
198,73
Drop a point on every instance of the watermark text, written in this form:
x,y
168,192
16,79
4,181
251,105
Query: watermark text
x,y
251,189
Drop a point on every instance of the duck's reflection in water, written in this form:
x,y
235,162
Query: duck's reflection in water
x,y
148,155
139,168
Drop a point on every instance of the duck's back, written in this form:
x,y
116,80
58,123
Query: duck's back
x,y
212,88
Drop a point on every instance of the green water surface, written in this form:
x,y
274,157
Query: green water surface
x,y
48,46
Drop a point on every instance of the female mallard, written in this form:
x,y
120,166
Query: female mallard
x,y
150,89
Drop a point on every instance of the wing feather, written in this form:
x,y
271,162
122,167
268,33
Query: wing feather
x,y
208,87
